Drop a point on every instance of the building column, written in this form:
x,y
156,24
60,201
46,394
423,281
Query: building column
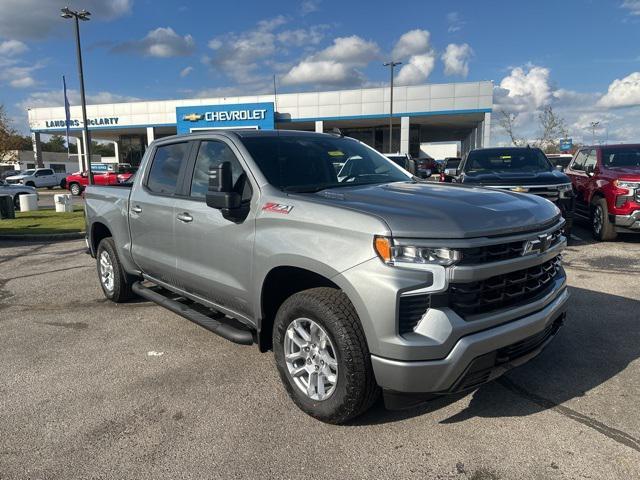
x,y
150,135
404,135
319,126
486,134
80,153
87,160
116,149
37,149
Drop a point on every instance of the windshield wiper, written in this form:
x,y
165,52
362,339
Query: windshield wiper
x,y
305,188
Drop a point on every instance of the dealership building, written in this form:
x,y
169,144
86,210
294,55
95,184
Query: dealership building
x,y
452,112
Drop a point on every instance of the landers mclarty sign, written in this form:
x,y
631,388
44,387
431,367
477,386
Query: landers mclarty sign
x,y
93,122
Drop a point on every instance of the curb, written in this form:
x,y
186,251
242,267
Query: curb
x,y
51,237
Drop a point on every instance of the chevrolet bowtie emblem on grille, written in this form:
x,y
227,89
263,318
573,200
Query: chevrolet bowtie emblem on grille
x,y
538,245
192,117
520,189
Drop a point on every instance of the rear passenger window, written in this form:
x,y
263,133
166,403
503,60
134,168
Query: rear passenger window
x,y
211,154
165,168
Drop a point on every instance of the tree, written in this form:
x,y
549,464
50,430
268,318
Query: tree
x,y
507,122
56,143
103,149
552,127
8,138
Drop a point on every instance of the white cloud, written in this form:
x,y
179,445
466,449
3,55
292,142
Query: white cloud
x,y
11,48
309,6
414,49
23,82
525,88
238,54
301,37
335,65
633,6
36,19
19,76
413,42
454,21
623,92
163,42
54,98
456,59
186,71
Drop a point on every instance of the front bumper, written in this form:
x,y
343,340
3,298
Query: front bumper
x,y
628,222
475,358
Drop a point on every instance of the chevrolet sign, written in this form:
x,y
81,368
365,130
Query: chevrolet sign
x,y
235,115
192,117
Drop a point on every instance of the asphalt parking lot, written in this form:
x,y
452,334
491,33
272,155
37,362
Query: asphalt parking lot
x,y
89,389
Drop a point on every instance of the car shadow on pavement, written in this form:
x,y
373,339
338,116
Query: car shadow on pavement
x,y
598,341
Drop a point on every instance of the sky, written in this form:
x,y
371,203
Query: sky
x,y
581,57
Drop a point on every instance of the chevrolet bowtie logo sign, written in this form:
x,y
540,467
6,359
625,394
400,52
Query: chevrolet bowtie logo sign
x,y
192,117
520,189
538,245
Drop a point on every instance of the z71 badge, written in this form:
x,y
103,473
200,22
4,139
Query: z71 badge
x,y
277,208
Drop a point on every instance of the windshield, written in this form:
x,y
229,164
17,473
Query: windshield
x,y
621,157
507,160
28,172
307,164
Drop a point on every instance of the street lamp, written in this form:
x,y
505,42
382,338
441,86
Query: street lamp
x,y
594,125
84,16
391,65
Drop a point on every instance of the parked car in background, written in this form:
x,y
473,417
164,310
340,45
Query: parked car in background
x,y
39,177
560,160
77,182
15,191
606,180
522,170
449,169
9,173
366,283
405,161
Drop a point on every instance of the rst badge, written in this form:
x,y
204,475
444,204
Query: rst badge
x,y
277,208
540,244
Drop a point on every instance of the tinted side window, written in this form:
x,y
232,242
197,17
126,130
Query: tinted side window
x,y
163,176
211,154
578,163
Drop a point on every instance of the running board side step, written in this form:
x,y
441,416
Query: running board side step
x,y
231,333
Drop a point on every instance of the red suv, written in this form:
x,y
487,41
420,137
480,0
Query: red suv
x,y
606,180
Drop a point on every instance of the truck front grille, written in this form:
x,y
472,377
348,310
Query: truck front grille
x,y
503,291
501,251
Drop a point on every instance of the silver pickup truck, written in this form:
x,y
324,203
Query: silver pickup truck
x,y
360,284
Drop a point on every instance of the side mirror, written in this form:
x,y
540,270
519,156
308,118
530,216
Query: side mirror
x,y
590,170
221,195
84,174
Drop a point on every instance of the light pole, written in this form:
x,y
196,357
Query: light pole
x,y
594,125
391,65
84,16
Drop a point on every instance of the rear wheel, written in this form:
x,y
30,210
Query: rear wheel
x,y
75,189
115,282
322,355
601,227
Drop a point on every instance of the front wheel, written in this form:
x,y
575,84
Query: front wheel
x,y
322,356
75,189
601,227
115,283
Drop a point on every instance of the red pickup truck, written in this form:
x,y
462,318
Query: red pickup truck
x,y
76,182
606,180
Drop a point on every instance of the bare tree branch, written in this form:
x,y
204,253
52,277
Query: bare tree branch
x,y
507,122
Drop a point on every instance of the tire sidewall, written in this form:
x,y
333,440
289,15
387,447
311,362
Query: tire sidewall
x,y
106,245
320,408
75,189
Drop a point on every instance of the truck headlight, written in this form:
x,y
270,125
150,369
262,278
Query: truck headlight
x,y
413,257
626,184
565,190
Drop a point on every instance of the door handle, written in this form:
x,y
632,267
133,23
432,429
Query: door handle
x,y
136,209
184,217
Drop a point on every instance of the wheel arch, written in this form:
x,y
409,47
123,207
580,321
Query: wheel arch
x,y
99,231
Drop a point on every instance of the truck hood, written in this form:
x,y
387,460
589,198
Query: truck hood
x,y
516,179
16,177
438,210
